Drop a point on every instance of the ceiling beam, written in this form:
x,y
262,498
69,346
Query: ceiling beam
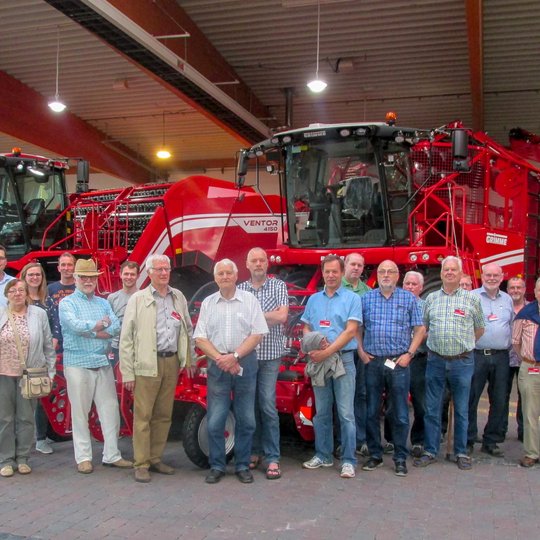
x,y
475,37
24,114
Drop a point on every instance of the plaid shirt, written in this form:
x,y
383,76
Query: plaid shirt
x,y
451,320
271,296
388,322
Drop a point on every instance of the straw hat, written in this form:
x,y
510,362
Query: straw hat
x,y
86,267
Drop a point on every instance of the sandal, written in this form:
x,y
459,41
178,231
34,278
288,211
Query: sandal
x,y
254,462
273,471
24,468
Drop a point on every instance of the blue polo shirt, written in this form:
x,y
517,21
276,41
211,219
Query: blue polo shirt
x,y
330,314
498,315
388,322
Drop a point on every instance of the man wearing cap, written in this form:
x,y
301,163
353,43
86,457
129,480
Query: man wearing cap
x,y
88,325
155,342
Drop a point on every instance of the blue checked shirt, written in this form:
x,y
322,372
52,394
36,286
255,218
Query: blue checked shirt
x,y
78,316
271,296
388,322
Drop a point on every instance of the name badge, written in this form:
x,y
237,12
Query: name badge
x,y
176,316
492,317
533,371
389,363
459,313
324,324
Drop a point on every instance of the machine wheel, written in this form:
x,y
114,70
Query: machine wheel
x,y
195,436
200,294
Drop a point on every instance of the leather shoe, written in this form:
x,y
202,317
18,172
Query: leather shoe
x,y
214,476
245,476
494,451
527,461
85,467
142,475
121,464
161,468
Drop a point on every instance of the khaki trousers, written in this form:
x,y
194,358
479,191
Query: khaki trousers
x,y
529,386
153,405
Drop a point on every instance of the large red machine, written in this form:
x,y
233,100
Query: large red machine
x,y
385,191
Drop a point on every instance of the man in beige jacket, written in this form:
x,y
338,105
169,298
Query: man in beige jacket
x,y
154,343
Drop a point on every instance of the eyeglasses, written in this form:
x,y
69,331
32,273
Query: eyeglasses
x,y
33,275
384,272
161,270
14,291
87,278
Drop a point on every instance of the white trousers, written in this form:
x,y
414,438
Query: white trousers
x,y
85,386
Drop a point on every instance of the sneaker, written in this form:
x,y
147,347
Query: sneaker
x,y
347,471
362,450
388,448
494,450
417,450
315,462
424,460
371,464
44,447
464,463
400,468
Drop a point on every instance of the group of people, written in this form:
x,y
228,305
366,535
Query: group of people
x,y
364,347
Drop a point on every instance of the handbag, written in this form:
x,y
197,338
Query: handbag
x,y
35,382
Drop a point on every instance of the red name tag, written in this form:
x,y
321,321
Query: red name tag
x,y
176,316
324,324
459,313
534,371
493,317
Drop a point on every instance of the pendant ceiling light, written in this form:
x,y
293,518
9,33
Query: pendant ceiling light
x,y
317,85
56,104
163,152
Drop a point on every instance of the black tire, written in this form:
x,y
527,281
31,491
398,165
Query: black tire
x,y
200,294
195,436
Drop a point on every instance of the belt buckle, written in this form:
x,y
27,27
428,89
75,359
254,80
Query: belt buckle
x,y
487,352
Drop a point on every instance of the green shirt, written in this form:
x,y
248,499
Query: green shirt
x,y
360,289
451,320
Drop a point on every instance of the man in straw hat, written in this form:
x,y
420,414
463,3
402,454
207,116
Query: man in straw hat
x,y
88,325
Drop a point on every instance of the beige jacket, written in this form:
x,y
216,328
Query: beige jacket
x,y
138,339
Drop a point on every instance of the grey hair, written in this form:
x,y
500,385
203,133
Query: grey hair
x,y
226,262
156,257
455,259
416,274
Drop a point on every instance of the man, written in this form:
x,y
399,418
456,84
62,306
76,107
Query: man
x,y
274,300
390,317
491,360
88,325
336,313
354,267
414,283
4,278
129,272
230,326
466,282
454,321
526,342
155,342
516,289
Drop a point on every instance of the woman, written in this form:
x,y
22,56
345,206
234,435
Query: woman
x,y
17,413
34,276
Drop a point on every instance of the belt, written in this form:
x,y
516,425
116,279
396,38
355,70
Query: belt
x,y
455,357
490,352
529,361
96,368
165,354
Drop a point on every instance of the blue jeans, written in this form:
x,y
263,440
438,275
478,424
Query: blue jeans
x,y
493,369
397,380
266,437
342,390
360,401
418,396
459,373
224,388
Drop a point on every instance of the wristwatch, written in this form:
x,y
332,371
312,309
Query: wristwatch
x,y
105,324
236,355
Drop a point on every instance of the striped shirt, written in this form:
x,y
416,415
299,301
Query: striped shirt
x,y
271,296
227,323
388,322
523,336
78,316
451,321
